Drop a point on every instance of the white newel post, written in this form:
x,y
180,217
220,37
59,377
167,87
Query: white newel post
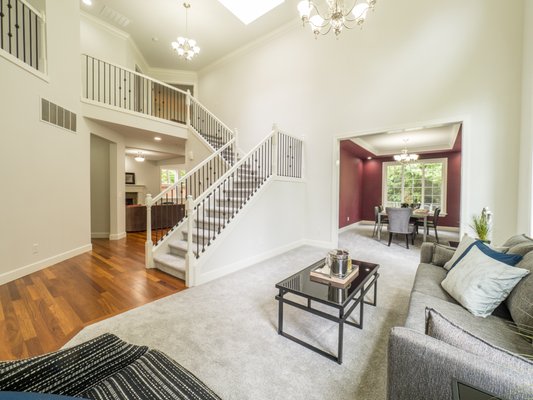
x,y
149,245
188,105
237,145
275,133
189,271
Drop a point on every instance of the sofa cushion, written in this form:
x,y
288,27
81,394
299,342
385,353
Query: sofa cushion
x,y
517,239
482,278
521,248
493,329
466,242
69,371
442,254
441,328
520,301
153,376
427,280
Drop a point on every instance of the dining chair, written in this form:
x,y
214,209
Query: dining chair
x,y
399,223
377,225
431,223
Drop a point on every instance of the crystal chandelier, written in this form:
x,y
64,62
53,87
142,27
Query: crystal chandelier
x,y
338,15
404,157
186,48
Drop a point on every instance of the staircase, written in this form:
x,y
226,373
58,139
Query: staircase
x,y
207,216
186,219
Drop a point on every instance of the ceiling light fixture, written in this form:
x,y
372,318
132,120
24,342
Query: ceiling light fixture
x,y
404,157
157,139
139,157
186,48
88,2
337,16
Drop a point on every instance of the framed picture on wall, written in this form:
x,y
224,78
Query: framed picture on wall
x,y
130,178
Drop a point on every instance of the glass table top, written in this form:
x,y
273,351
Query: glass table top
x,y
301,284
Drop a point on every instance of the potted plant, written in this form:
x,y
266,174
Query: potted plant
x,y
481,226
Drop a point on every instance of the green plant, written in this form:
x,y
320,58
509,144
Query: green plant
x,y
480,225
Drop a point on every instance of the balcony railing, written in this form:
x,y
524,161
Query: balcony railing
x,y
22,33
120,87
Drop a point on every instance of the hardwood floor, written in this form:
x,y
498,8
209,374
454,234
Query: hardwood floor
x,y
42,311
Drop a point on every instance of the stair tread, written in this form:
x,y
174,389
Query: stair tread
x,y
171,261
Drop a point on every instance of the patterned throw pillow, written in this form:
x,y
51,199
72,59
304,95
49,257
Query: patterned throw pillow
x,y
481,278
439,327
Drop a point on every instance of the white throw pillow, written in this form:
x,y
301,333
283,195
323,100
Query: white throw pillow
x,y
465,243
480,283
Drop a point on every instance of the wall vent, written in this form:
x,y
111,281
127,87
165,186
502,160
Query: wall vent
x,y
56,115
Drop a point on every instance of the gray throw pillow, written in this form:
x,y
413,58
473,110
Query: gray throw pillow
x,y
517,239
442,254
521,248
520,300
441,328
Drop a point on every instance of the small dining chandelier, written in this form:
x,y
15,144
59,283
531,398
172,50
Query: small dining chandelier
x,y
186,48
405,157
337,16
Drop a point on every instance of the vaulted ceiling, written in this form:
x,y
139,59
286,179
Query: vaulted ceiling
x,y
154,24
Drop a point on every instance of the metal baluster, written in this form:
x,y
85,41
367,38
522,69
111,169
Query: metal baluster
x,y
36,43
2,24
9,34
17,26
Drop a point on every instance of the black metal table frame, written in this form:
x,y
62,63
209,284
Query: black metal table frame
x,y
341,319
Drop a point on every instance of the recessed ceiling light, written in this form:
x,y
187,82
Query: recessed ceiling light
x,y
157,139
88,2
249,10
155,39
369,158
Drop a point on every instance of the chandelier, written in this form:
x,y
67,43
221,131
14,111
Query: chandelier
x,y
139,157
404,157
337,17
186,48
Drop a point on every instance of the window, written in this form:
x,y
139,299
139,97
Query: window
x,y
422,182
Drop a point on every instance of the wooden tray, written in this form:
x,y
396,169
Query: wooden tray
x,y
318,276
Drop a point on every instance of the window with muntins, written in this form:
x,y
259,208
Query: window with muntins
x,y
422,182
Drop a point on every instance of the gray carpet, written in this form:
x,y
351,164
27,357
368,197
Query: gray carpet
x,y
225,331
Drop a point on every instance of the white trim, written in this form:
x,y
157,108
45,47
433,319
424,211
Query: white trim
x,y
28,269
99,235
321,243
24,66
110,28
350,226
444,184
289,179
117,236
38,13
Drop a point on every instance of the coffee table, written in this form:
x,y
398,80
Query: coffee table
x,y
342,301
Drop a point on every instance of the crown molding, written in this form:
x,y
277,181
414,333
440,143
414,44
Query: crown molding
x,y
251,46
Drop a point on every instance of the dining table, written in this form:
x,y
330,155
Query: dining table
x,y
418,214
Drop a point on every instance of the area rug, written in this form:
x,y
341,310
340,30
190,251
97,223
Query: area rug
x,y
225,332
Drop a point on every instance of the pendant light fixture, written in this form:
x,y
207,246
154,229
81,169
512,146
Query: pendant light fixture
x,y
185,47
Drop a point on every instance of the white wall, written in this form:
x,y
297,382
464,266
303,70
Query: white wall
x,y
415,61
257,234
146,174
525,198
44,169
100,188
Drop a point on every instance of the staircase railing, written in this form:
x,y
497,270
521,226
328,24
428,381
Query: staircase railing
x,y
214,209
167,210
22,30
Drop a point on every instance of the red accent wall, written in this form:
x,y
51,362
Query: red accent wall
x,y
372,177
351,187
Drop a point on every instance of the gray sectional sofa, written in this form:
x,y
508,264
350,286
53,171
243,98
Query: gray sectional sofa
x,y
423,367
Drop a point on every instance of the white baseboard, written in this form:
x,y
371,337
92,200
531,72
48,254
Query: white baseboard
x,y
28,269
319,243
117,236
348,227
99,235
228,269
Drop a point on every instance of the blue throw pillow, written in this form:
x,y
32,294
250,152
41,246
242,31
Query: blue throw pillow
x,y
509,259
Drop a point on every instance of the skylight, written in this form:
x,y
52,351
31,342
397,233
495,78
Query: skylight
x,y
249,10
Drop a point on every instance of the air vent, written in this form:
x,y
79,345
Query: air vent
x,y
56,115
115,17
